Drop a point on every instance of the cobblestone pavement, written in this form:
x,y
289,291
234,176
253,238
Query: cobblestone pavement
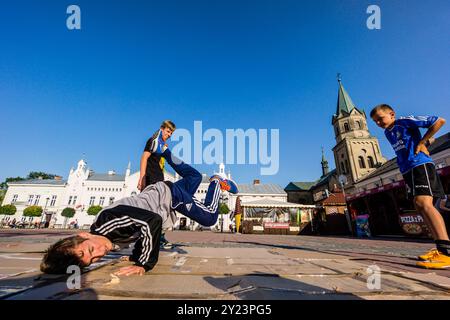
x,y
208,265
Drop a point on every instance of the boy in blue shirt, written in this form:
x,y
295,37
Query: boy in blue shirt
x,y
152,164
419,173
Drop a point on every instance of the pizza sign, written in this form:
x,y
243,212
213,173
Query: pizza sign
x,y
411,219
413,224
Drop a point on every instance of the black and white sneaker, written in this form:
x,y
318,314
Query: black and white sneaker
x,y
158,146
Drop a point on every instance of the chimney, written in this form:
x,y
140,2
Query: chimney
x,y
256,181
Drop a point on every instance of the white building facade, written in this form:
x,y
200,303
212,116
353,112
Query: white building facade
x,y
85,188
82,189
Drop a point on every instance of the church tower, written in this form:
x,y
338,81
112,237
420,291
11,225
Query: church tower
x,y
356,152
324,163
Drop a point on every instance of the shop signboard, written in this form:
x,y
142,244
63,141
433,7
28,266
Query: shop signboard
x,y
413,224
276,225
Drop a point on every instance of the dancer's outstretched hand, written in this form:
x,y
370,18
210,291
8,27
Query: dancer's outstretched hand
x,y
128,271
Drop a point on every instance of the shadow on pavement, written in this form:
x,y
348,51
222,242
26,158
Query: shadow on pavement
x,y
259,286
42,287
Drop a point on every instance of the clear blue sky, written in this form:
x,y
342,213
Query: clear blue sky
x,y
103,90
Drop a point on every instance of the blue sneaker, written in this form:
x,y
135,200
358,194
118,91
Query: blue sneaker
x,y
225,184
164,243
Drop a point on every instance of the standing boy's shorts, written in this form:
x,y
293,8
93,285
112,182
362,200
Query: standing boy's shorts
x,y
423,181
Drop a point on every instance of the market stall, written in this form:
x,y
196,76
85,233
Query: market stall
x,y
275,217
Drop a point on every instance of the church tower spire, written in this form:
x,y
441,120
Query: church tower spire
x,y
324,163
345,104
357,152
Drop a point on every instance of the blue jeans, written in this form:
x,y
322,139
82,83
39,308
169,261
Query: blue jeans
x,y
183,191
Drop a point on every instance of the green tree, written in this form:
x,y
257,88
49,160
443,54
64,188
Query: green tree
x,y
4,185
31,175
2,195
223,208
94,210
67,213
32,211
8,209
40,174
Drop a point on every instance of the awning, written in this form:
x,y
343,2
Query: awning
x,y
266,203
385,187
443,171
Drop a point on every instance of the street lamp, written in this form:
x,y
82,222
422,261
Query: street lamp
x,y
342,181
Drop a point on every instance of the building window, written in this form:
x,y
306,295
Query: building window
x,y
342,167
70,200
92,200
346,166
30,199
36,200
358,125
102,201
111,200
362,164
14,199
346,127
53,202
337,130
74,199
370,162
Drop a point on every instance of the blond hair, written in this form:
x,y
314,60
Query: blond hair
x,y
168,124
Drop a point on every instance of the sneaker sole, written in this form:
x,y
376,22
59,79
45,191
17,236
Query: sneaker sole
x,y
433,267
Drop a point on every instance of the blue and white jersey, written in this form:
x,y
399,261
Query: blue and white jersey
x,y
404,137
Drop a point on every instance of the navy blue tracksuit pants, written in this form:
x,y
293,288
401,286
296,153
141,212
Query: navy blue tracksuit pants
x,y
183,191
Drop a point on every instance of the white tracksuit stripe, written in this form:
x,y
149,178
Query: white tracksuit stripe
x,y
126,221
147,239
99,229
214,203
123,224
428,179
